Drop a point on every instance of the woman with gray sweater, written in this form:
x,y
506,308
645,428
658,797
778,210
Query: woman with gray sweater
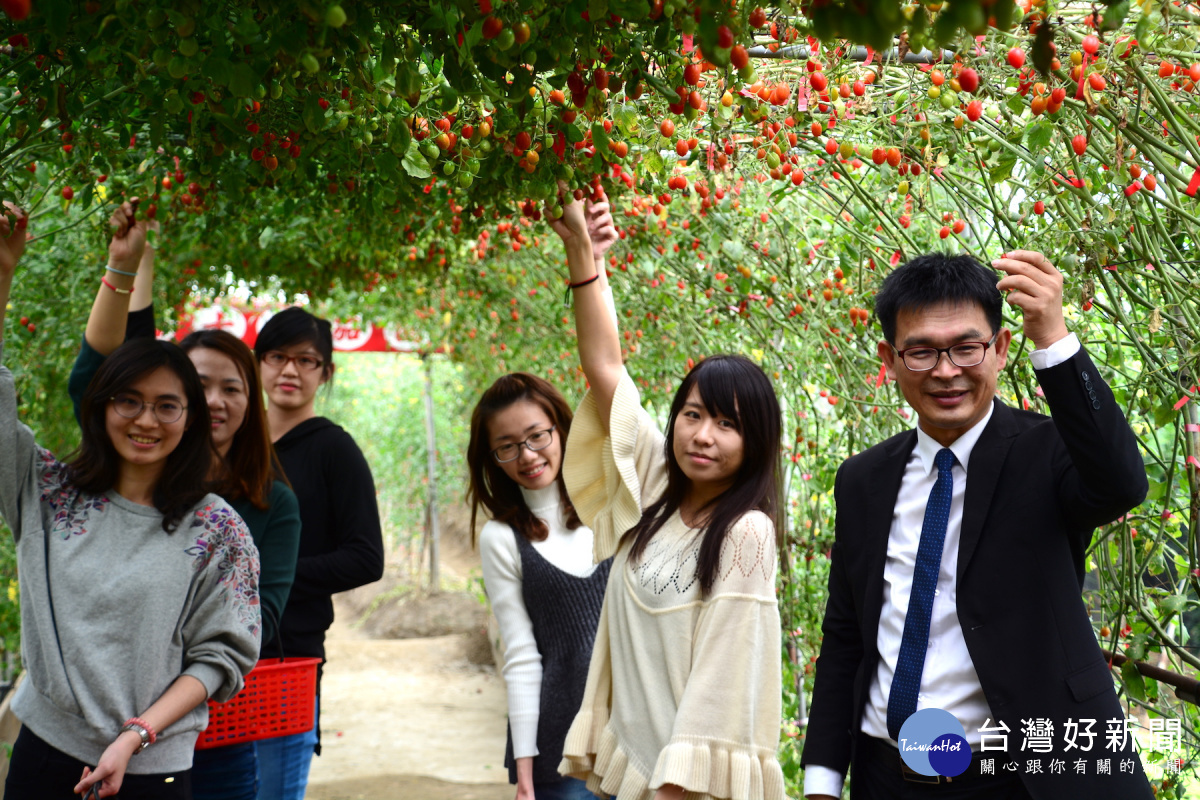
x,y
139,590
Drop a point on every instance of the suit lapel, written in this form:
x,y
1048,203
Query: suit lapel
x,y
878,513
987,460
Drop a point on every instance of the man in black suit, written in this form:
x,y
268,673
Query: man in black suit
x,y
957,569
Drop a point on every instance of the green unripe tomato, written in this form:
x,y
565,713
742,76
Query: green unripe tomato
x,y
174,103
429,149
162,57
342,123
335,16
186,27
188,47
948,100
465,179
310,64
902,187
177,67
506,39
367,138
155,18
447,168
276,91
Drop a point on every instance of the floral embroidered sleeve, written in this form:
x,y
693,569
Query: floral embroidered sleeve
x,y
222,632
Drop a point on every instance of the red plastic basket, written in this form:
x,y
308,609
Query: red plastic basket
x,y
277,700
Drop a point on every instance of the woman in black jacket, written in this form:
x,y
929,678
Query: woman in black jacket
x,y
341,544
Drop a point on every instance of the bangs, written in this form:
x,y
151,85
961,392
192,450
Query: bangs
x,y
717,382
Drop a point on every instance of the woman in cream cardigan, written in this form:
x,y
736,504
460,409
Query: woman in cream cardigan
x,y
683,690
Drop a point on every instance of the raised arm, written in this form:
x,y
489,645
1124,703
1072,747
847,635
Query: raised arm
x,y
143,288
599,341
12,245
106,324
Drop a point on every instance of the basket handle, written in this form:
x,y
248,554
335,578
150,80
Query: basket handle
x,y
278,630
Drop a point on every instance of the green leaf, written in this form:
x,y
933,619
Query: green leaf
x,y
266,237
653,162
313,114
1173,604
388,164
1134,684
243,80
626,119
734,249
414,163
1039,136
1003,170
1016,103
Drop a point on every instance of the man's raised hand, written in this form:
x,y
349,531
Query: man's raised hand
x,y
1035,286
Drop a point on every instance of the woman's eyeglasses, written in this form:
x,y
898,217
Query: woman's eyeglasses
x,y
538,440
131,406
307,363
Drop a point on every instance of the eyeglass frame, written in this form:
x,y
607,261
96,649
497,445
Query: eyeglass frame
x,y
945,350
153,408
525,443
288,359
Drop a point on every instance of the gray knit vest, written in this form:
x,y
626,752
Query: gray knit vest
x,y
564,610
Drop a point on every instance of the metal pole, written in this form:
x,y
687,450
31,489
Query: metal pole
x,y
431,516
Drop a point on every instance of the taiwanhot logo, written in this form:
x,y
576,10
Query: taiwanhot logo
x,y
933,742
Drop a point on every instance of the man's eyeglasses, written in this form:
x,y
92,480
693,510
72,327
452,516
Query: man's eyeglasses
x,y
131,406
962,355
538,440
306,363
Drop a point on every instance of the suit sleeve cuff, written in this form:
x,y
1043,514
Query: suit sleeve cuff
x,y
822,780
1062,350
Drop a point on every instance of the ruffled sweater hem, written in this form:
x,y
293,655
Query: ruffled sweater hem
x,y
707,769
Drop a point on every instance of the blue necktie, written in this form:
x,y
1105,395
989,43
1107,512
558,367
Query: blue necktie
x,y
906,683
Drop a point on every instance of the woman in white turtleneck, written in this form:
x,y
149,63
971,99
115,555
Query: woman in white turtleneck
x,y
539,574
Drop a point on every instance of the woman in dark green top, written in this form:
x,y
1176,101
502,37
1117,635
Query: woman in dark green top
x,y
246,474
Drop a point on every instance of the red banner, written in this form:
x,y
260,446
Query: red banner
x,y
348,335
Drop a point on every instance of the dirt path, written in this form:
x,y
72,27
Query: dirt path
x,y
410,718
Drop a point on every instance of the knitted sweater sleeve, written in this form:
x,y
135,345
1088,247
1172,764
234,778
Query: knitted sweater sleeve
x,y
522,661
726,748
23,462
611,478
223,627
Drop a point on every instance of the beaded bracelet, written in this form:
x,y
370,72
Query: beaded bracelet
x,y
115,289
142,729
121,271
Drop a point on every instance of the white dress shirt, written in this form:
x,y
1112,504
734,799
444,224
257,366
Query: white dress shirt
x,y
949,680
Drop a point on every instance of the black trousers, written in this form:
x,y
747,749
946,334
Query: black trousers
x,y
876,775
38,771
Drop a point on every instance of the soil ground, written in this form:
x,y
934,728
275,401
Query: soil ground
x,y
415,718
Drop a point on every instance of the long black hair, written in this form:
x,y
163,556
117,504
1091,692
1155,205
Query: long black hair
x,y
95,465
251,466
737,388
489,486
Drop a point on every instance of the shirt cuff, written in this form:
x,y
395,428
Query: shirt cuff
x,y
822,780
1062,350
